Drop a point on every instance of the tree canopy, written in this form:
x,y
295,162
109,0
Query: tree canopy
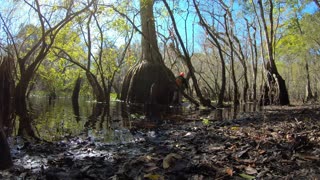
x,y
221,45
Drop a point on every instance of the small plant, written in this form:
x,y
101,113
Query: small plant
x,y
206,121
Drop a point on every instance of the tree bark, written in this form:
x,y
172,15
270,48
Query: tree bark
x,y
6,84
277,90
309,95
150,71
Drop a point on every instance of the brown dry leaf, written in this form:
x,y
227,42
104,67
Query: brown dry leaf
x,y
241,153
250,170
261,151
146,158
151,168
290,137
275,135
153,176
170,159
229,171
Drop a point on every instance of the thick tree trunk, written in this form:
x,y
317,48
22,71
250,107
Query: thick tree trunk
x,y
6,82
151,70
21,90
277,92
25,121
137,84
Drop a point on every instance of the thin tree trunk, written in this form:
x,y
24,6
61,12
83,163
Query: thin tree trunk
x,y
233,74
309,95
223,66
254,59
187,58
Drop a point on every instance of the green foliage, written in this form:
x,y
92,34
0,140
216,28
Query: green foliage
x,y
206,121
120,25
57,73
113,96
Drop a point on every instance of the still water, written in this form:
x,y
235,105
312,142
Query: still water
x,y
111,123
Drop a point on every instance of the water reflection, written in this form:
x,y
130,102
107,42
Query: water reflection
x,y
232,112
103,122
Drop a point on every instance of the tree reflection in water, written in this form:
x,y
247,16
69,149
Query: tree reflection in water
x,y
103,122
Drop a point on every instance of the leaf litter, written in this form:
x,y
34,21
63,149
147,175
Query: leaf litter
x,y
277,143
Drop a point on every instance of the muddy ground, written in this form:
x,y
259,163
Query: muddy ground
x,y
276,143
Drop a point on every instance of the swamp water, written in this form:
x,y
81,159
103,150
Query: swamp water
x,y
99,122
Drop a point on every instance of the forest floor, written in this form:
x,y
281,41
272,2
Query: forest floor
x,y
276,143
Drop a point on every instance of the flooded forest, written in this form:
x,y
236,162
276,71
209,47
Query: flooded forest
x,y
166,89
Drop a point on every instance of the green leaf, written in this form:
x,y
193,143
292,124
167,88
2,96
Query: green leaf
x,y
206,122
246,176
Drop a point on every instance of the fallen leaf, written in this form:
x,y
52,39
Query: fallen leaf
x,y
241,153
151,168
235,128
251,170
261,151
229,171
145,158
246,176
153,176
170,159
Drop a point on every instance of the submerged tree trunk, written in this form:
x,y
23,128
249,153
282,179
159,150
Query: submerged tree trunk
x,y
6,84
150,71
75,98
76,90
